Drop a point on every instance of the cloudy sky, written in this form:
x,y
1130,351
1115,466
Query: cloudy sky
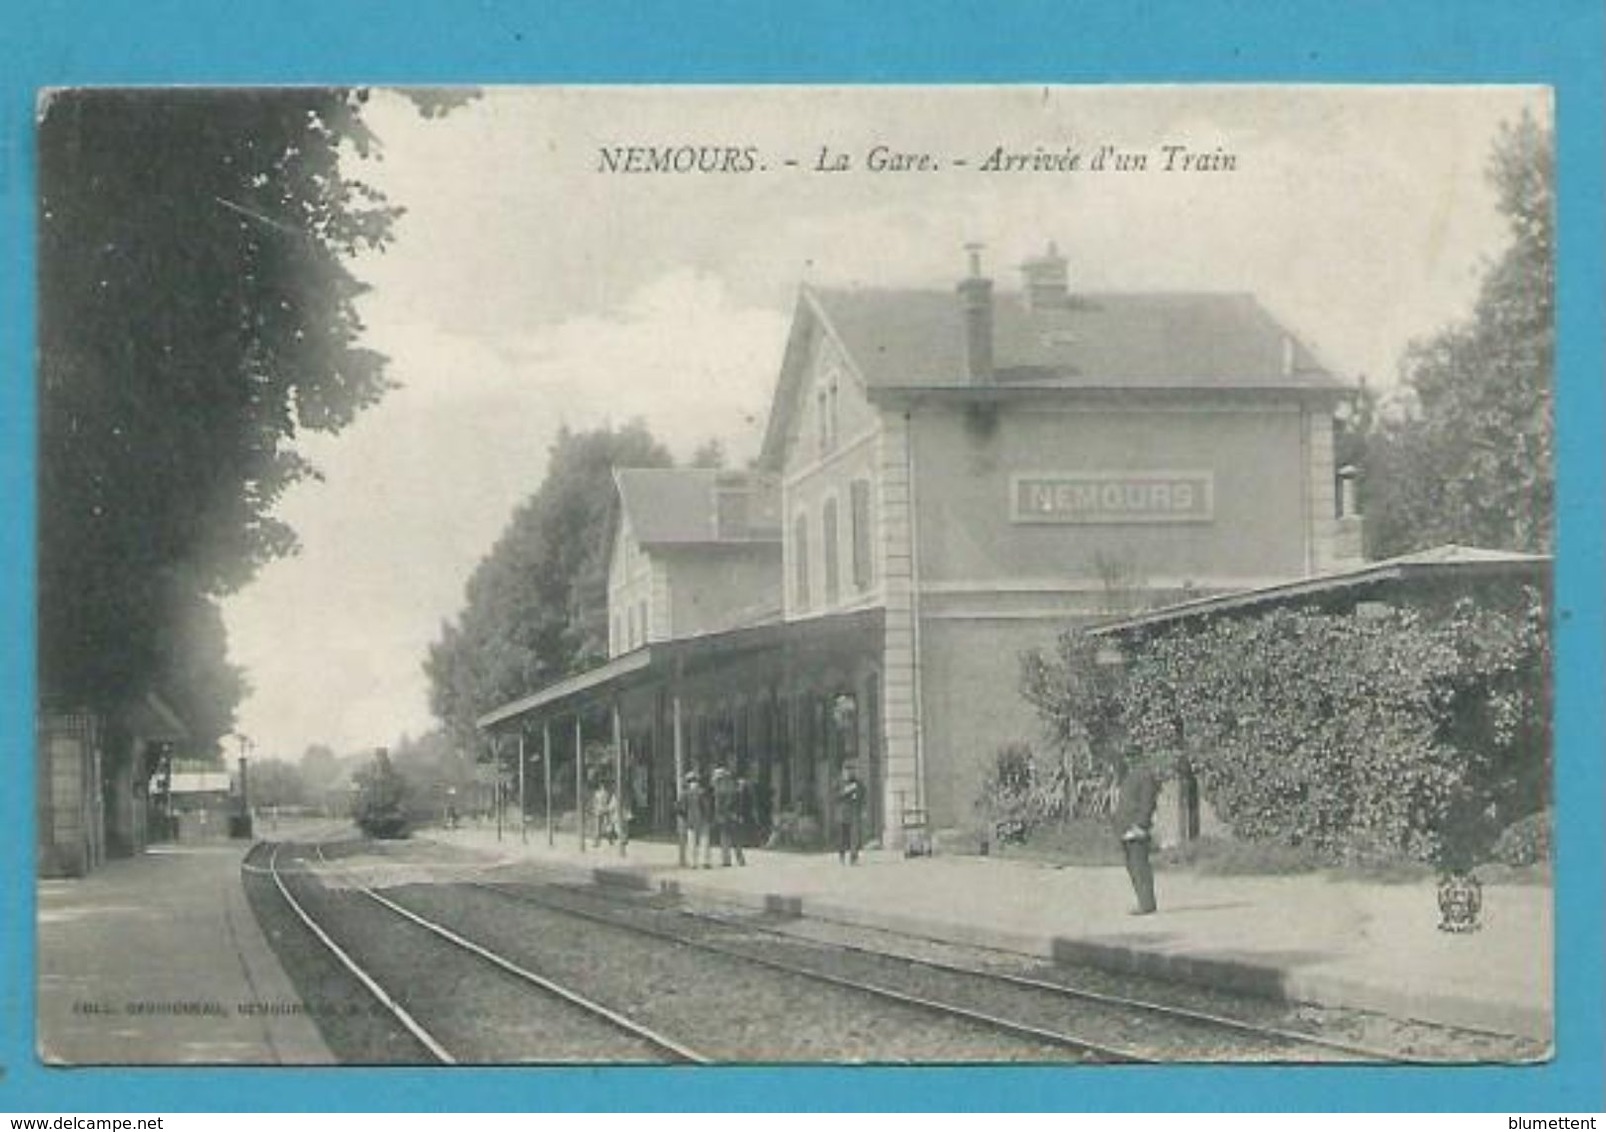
x,y
528,288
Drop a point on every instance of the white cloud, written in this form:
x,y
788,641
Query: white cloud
x,y
416,492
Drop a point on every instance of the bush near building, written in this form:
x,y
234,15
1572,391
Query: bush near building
x,y
1401,732
1019,795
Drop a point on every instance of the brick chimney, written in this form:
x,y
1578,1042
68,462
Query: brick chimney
x,y
1047,281
976,305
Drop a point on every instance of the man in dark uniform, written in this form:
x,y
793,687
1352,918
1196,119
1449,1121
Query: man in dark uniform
x,y
1134,823
849,816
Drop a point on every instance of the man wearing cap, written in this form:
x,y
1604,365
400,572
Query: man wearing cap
x,y
849,816
1134,822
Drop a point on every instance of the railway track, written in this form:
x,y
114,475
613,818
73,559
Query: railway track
x,y
1281,1043
1089,1048
1036,1037
667,1049
1188,1015
1044,1014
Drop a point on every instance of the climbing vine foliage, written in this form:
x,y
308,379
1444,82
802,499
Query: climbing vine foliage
x,y
1405,731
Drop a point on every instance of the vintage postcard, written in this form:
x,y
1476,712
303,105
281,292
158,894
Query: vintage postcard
x,y
827,574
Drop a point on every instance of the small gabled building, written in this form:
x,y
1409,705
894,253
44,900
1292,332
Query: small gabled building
x,y
695,551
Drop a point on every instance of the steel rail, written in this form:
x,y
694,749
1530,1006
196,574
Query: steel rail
x,y
947,1009
412,1025
1082,994
1159,1009
621,1021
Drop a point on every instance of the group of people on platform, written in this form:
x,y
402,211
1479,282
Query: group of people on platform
x,y
721,812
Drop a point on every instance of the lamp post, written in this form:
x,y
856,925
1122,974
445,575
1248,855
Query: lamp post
x,y
242,823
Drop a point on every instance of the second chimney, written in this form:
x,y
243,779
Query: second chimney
x,y
976,305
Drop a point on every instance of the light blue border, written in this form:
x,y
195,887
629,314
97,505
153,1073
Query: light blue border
x,y
1559,42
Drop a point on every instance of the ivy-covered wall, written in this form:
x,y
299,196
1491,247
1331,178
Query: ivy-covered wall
x,y
1415,730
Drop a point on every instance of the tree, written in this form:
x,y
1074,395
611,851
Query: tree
x,y
1467,455
537,604
274,782
436,776
1075,693
709,454
196,313
327,777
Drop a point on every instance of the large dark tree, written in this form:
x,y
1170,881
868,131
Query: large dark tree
x,y
196,313
1468,455
536,606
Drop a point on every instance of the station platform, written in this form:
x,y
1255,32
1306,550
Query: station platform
x,y
1307,938
158,960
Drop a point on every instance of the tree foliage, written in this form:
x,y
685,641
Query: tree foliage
x,y
537,605
436,776
327,778
1416,731
1074,692
1467,456
274,782
196,313
1019,793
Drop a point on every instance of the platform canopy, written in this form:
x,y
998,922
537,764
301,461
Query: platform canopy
x,y
728,651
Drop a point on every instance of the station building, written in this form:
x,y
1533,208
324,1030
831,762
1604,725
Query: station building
x,y
948,477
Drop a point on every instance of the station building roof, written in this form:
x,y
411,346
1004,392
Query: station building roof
x,y
904,342
698,506
1166,340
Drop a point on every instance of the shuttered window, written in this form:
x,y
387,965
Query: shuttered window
x,y
861,534
829,548
800,561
